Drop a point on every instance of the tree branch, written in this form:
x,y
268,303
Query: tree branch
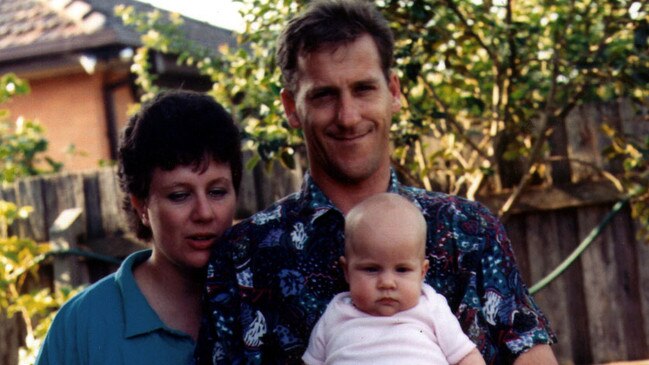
x,y
454,123
472,33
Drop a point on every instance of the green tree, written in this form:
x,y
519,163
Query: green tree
x,y
485,82
20,260
21,144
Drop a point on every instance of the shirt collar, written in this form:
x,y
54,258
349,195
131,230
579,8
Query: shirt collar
x,y
317,203
395,185
139,317
313,199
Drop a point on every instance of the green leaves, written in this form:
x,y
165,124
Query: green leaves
x,y
20,259
633,151
10,86
479,80
22,142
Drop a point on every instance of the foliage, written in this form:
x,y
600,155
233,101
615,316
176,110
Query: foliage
x,y
19,264
633,151
20,146
485,82
22,142
232,71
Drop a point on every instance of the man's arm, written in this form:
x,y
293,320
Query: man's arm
x,y
537,355
508,306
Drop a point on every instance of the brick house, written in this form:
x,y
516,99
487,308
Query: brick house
x,y
76,56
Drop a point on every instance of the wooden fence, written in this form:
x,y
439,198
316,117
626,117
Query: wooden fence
x,y
599,307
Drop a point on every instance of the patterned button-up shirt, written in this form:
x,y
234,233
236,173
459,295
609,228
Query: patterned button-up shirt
x,y
270,278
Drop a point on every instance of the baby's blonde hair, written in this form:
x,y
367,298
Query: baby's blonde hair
x,y
401,212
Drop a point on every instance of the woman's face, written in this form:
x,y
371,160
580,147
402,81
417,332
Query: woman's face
x,y
187,210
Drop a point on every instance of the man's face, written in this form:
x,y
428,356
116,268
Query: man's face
x,y
344,105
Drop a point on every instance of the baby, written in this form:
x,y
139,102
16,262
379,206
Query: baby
x,y
389,316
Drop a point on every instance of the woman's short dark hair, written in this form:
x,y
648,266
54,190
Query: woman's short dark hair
x,y
332,22
175,128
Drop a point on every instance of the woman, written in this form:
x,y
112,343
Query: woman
x,y
180,167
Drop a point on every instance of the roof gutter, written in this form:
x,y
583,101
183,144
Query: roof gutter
x,y
74,44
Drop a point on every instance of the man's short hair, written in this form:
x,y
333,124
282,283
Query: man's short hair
x,y
332,22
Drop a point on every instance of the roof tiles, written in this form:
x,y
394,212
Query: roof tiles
x,y
37,27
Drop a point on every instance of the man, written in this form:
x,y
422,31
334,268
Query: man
x,y
270,279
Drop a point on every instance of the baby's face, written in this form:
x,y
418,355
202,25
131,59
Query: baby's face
x,y
385,277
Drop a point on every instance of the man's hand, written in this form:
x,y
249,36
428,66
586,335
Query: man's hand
x,y
537,355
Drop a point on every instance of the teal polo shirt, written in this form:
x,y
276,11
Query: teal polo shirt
x,y
111,322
